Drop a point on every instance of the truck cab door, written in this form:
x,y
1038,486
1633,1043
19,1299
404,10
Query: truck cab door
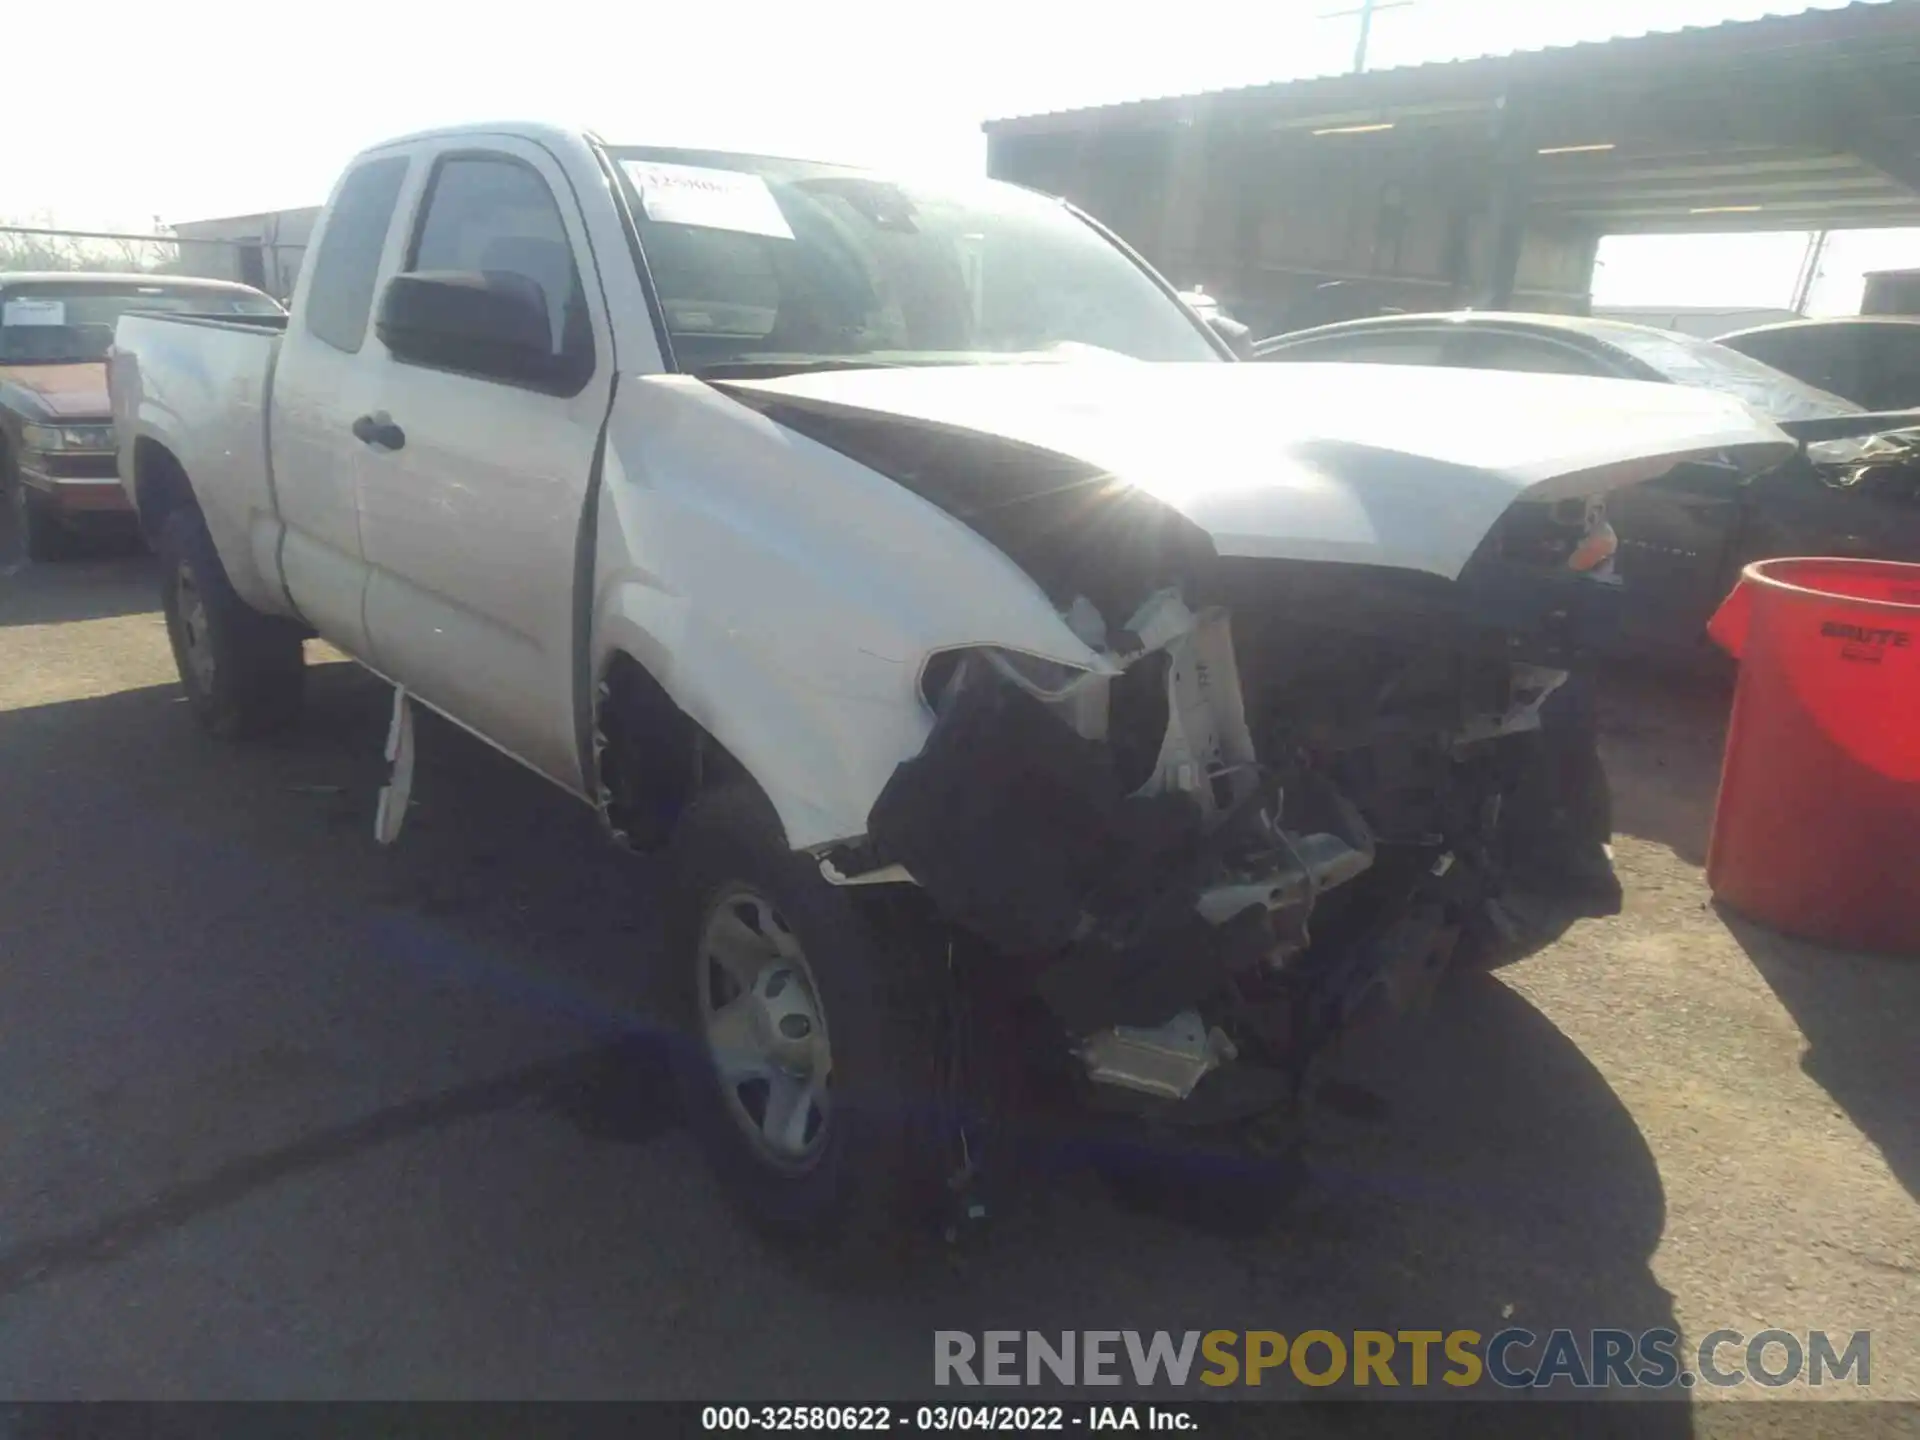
x,y
320,384
472,485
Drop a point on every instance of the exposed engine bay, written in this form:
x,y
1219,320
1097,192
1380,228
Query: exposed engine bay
x,y
1271,811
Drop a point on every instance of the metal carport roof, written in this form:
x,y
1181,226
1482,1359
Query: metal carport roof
x,y
1803,121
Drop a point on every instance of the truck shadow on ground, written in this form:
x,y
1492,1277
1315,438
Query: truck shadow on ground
x,y
1859,1014
1505,1184
102,581
1661,734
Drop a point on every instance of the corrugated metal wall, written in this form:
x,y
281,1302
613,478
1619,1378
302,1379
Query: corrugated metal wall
x,y
1266,222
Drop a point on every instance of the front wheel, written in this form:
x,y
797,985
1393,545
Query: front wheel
x,y
807,1041
244,672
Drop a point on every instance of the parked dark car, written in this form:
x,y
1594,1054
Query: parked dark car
x,y
1684,538
1871,360
57,452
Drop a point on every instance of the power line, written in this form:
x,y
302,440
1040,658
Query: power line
x,y
166,239
85,234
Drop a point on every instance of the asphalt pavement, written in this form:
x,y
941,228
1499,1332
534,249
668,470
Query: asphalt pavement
x,y
284,1113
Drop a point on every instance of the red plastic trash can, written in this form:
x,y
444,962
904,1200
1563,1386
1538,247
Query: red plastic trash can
x,y
1816,831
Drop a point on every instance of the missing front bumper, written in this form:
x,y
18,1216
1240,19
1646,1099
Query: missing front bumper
x,y
1160,887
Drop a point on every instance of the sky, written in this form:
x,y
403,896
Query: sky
x,y
201,108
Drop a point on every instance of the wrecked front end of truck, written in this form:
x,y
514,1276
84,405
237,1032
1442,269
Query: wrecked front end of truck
x,y
1254,776
1195,706
1269,805
1268,814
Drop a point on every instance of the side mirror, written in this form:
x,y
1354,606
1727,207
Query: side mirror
x,y
483,322
1238,337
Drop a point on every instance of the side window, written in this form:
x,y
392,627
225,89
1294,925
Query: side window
x,y
486,213
1820,358
1489,350
348,261
1412,347
1841,364
1893,368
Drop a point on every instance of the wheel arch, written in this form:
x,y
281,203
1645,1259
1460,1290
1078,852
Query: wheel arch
x,y
650,759
160,485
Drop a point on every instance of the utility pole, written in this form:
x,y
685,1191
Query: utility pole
x,y
1366,13
1809,272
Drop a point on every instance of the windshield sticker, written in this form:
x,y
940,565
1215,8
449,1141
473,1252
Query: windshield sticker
x,y
711,199
34,312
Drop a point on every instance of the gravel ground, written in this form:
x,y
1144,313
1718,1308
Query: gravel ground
x,y
285,1114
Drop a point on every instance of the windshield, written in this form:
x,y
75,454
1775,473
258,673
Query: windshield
x,y
1687,361
764,266
54,323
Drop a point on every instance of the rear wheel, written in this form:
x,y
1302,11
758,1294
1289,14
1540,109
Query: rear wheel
x,y
807,1042
244,672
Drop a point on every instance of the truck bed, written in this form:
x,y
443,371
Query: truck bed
x,y
201,384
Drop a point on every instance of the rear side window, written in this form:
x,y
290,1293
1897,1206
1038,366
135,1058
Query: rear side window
x,y
348,262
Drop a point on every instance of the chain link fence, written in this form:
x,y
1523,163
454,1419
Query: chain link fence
x,y
264,263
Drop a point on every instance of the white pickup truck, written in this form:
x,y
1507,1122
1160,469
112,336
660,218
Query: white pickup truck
x,y
917,566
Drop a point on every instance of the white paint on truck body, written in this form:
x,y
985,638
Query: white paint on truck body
x,y
784,595
805,661
200,390
1311,462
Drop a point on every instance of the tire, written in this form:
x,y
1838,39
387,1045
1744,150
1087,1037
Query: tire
x,y
1483,947
1554,845
244,672
859,1174
1532,922
42,536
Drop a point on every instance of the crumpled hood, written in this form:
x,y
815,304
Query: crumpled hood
x,y
58,392
1364,464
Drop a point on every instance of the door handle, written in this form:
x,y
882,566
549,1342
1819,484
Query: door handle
x,y
379,430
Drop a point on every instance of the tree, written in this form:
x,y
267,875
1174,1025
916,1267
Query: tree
x,y
70,251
